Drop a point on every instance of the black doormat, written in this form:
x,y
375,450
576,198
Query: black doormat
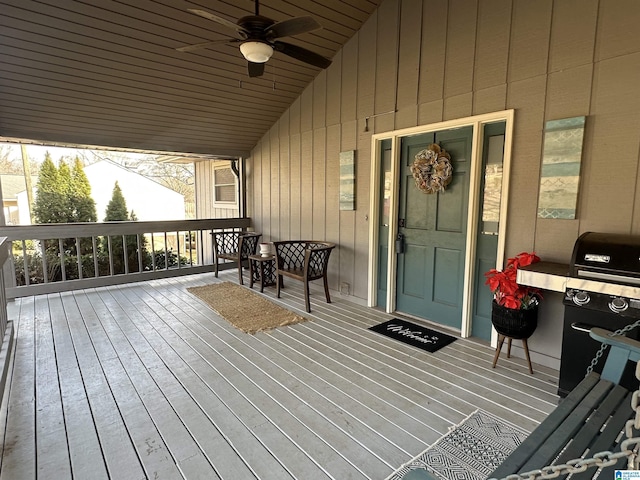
x,y
414,335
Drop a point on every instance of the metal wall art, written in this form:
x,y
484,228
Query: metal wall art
x,y
348,180
560,175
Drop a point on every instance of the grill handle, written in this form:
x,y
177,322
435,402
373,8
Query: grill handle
x,y
582,327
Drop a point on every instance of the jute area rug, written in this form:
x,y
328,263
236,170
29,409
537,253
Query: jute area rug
x,y
244,309
471,450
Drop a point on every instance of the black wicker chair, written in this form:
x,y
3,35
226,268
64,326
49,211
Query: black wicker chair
x,y
236,247
304,260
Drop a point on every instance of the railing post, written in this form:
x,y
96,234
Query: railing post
x,y
6,328
4,256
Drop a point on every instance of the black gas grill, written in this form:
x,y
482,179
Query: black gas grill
x,y
603,290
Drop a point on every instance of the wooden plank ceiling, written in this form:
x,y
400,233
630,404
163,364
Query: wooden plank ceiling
x,y
107,73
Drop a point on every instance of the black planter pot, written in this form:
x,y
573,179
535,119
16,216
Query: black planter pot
x,y
518,324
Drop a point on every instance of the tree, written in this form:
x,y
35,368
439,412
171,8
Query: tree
x,y
84,207
9,165
50,205
117,212
63,195
65,188
117,206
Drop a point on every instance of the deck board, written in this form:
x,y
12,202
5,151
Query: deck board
x,y
85,453
19,446
146,381
189,368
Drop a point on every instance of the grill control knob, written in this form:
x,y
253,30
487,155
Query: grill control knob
x,y
618,304
581,298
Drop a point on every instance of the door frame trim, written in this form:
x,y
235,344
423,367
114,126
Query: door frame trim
x,y
475,168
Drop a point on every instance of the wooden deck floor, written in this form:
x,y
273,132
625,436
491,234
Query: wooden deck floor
x,y
144,381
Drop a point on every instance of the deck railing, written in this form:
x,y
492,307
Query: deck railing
x,y
4,257
59,257
6,328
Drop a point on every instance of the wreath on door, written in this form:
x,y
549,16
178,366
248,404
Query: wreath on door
x,y
432,169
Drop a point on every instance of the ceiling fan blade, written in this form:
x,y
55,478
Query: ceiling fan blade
x,y
302,54
255,69
210,16
198,46
293,26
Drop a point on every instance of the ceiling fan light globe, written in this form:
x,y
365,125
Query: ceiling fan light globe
x,y
256,52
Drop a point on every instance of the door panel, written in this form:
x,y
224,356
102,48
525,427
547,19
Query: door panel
x,y
451,209
414,262
420,207
431,271
446,287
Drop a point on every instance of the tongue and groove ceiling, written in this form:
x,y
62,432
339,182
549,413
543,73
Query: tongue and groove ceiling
x,y
107,73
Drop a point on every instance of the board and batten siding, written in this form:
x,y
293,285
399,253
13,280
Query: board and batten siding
x,y
420,62
205,205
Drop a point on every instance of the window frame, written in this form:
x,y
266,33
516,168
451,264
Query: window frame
x,y
222,203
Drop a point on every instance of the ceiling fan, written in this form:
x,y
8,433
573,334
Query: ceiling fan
x,y
257,36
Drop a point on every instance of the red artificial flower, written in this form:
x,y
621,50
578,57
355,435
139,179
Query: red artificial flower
x,y
506,291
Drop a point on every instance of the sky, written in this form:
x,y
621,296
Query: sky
x,y
37,152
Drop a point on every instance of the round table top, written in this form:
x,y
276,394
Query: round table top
x,y
260,258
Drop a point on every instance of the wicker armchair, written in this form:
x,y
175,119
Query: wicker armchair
x,y
304,260
235,246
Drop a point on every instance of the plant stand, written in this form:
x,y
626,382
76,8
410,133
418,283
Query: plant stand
x,y
501,339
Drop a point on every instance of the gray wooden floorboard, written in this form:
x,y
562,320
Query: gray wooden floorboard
x,y
85,452
19,442
279,372
120,456
217,447
194,372
336,374
146,381
267,407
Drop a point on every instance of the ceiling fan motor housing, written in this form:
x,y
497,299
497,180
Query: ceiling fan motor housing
x,y
256,25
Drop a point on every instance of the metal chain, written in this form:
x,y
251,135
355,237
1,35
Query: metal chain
x,y
603,347
578,465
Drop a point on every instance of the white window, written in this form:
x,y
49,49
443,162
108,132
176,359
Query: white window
x,y
224,186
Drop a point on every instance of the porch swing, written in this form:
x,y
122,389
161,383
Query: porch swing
x,y
590,433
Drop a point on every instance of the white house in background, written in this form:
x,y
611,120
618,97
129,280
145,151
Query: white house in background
x,y
147,198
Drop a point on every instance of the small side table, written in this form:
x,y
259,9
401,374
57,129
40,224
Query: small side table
x,y
262,269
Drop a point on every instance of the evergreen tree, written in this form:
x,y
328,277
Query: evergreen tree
x,y
84,207
117,206
65,187
50,203
117,212
132,248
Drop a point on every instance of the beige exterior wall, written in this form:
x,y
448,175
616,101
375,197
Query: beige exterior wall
x,y
436,60
205,205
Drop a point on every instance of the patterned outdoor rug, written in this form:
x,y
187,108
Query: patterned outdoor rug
x,y
471,450
244,309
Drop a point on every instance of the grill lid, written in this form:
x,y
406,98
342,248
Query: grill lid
x,y
606,256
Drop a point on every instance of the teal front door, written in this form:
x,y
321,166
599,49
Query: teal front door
x,y
430,273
